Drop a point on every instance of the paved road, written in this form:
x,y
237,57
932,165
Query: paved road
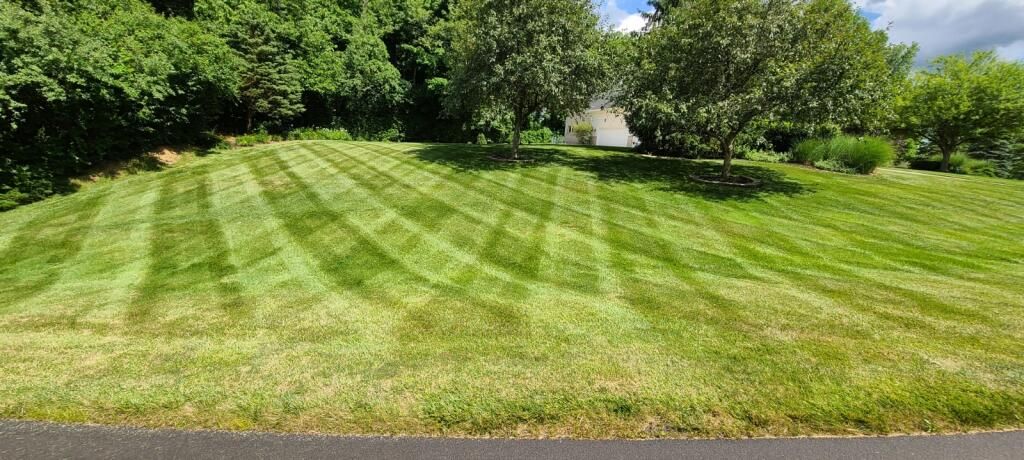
x,y
29,440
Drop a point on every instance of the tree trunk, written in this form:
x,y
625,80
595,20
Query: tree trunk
x,y
516,131
727,157
946,155
248,121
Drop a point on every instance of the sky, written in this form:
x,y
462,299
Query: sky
x,y
938,26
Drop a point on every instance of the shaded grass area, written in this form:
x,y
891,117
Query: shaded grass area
x,y
425,289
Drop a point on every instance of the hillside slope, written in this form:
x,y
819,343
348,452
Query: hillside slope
x,y
416,289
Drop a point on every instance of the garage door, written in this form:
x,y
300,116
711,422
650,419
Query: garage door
x,y
613,137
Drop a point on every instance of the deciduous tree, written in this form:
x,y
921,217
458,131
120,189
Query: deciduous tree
x,y
713,67
525,56
961,101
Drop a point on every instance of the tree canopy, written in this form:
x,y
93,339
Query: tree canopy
x,y
525,56
965,100
712,67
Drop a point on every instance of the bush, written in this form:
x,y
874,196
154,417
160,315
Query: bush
x,y
387,135
319,134
85,83
20,184
782,136
12,199
833,165
808,152
765,156
584,132
975,167
958,164
845,153
249,140
862,155
536,136
481,139
932,163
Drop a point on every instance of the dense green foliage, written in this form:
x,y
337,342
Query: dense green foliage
x,y
711,68
766,156
363,288
541,135
79,86
525,57
958,163
584,132
962,102
808,152
319,134
87,81
860,155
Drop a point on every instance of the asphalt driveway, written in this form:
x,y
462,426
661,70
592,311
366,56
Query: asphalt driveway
x,y
32,440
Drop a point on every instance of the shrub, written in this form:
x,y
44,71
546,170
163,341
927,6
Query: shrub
x,y
975,167
584,132
481,139
85,83
12,199
958,164
20,184
765,156
906,150
249,140
862,155
833,165
932,163
387,135
808,152
319,134
783,136
845,153
536,136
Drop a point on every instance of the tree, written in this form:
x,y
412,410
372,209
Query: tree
x,y
962,101
271,87
87,82
712,67
524,56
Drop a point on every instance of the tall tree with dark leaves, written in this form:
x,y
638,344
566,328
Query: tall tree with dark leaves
x,y
271,88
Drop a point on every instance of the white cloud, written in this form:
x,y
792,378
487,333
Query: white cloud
x,y
620,19
952,26
632,23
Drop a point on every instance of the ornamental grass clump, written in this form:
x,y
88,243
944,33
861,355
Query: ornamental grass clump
x,y
860,155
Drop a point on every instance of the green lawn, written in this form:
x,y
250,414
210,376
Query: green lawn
x,y
414,289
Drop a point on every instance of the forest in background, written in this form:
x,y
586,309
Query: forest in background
x,y
86,81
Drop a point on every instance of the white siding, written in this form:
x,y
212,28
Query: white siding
x,y
610,129
613,138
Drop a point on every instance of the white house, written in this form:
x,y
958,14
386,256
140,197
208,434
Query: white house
x,y
609,124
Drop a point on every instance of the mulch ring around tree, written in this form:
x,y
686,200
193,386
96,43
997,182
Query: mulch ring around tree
x,y
731,181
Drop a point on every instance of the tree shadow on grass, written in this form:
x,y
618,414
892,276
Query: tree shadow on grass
x,y
468,157
616,165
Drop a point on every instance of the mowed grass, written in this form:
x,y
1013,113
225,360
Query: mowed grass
x,y
416,289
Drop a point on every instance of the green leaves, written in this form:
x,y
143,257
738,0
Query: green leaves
x,y
524,56
710,68
965,100
86,81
